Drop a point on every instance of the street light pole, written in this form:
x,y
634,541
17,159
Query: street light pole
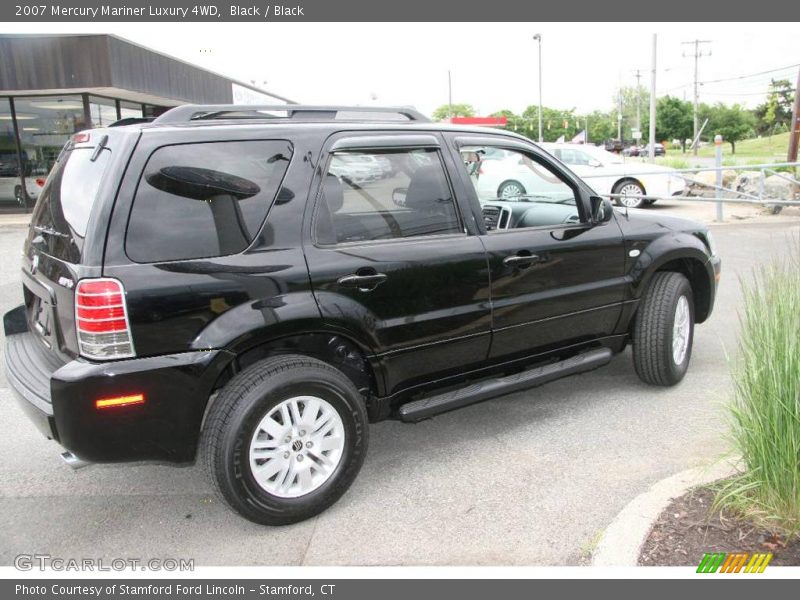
x,y
538,38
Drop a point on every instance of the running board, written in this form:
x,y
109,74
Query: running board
x,y
489,388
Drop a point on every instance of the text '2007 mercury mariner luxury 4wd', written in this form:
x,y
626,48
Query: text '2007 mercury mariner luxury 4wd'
x,y
254,285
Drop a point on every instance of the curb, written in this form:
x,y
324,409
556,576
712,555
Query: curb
x,y
623,538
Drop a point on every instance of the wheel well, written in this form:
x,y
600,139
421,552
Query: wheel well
x,y
625,180
336,350
695,272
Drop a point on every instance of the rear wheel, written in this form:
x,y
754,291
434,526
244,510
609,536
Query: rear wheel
x,y
285,439
664,330
629,187
510,189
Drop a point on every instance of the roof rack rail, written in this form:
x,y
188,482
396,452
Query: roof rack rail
x,y
131,121
201,112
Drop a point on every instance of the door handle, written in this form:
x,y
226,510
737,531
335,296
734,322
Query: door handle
x,y
520,260
364,283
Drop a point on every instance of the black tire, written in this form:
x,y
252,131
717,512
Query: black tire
x,y
653,330
20,197
509,184
237,411
633,187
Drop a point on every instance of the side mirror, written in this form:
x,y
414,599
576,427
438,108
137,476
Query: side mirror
x,y
602,210
593,162
399,196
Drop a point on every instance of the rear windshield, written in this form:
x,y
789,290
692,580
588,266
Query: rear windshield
x,y
61,216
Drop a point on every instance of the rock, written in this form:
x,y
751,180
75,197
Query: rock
x,y
701,183
748,182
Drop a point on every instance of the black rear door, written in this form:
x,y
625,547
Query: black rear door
x,y
391,259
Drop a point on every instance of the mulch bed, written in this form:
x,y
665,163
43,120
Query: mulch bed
x,y
687,529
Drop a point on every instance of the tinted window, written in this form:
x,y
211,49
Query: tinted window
x,y
61,216
203,200
573,157
385,195
518,190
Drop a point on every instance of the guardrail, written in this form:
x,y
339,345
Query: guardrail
x,y
731,195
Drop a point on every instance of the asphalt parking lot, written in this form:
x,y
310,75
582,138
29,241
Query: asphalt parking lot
x,y
531,478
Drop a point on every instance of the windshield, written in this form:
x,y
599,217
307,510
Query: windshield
x,y
60,219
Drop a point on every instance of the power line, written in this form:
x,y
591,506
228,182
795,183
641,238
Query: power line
x,y
750,75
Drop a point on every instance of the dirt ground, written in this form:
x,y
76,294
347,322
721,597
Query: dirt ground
x,y
688,529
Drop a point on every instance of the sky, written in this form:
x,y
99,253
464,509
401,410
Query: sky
x,y
492,65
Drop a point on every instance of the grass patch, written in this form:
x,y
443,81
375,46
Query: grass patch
x,y
766,149
765,411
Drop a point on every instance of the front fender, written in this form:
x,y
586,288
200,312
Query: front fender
x,y
667,248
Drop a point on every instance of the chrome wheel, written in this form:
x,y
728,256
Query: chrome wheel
x,y
297,446
511,189
680,330
632,189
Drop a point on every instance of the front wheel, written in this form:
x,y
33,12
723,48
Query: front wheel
x,y
663,330
285,439
626,188
510,189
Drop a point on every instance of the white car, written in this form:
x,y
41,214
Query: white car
x,y
608,173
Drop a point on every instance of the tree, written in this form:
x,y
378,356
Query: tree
x,y
733,123
602,126
555,123
673,120
633,98
445,111
776,112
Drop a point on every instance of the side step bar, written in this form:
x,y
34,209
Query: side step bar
x,y
489,388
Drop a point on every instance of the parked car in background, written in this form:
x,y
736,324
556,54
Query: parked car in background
x,y
358,167
613,146
11,182
660,150
609,173
633,150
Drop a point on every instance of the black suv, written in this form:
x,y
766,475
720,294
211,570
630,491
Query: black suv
x,y
256,284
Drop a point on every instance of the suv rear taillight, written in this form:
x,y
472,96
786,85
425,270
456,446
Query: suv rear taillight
x,y
101,320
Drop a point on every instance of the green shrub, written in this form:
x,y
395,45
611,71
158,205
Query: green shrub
x,y
765,411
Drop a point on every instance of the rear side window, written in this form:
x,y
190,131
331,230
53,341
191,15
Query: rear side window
x,y
61,216
204,200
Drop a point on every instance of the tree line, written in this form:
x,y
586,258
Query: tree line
x,y
674,118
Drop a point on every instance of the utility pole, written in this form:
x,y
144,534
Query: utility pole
x,y
638,75
538,38
794,136
619,115
449,95
652,132
697,55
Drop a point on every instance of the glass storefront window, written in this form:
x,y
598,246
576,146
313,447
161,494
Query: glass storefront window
x,y
10,181
103,111
45,124
130,110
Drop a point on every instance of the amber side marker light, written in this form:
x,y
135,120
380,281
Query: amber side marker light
x,y
120,401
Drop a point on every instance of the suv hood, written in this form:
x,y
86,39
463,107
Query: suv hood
x,y
640,220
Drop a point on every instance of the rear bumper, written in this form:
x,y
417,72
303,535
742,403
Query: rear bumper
x,y
59,397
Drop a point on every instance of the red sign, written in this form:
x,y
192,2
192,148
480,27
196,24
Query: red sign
x,y
482,121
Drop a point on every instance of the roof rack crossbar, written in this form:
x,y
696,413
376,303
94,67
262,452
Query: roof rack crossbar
x,y
200,112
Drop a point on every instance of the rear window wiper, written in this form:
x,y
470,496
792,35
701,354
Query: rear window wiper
x,y
49,231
